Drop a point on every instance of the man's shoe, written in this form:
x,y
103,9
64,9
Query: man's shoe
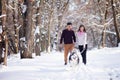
x,y
65,64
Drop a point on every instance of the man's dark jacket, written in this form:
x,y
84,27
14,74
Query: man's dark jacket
x,y
68,36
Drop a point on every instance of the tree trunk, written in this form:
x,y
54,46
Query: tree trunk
x,y
104,30
104,37
15,20
10,25
51,10
29,32
49,36
5,32
94,39
39,21
6,50
37,49
115,23
0,12
37,45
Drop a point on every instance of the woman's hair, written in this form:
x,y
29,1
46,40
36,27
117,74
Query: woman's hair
x,y
83,27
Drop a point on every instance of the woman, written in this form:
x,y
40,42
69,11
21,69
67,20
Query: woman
x,y
82,42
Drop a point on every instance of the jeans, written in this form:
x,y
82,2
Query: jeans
x,y
83,51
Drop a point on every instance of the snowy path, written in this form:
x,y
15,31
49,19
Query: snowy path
x,y
102,65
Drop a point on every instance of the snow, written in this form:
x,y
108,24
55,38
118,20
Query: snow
x,y
37,30
2,15
110,32
37,40
103,64
22,39
119,45
0,29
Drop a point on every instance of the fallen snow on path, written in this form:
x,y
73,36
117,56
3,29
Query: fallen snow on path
x,y
103,64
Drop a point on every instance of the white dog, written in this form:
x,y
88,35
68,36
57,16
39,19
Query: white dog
x,y
73,58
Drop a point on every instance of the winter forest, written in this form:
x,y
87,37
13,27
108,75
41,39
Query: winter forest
x,y
30,27
33,26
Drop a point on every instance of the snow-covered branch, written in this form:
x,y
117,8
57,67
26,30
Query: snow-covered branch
x,y
93,23
107,23
10,7
3,15
110,32
118,15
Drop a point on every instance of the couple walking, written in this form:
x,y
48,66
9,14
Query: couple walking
x,y
69,38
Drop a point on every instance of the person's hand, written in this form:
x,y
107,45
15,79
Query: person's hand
x,y
60,45
83,46
75,44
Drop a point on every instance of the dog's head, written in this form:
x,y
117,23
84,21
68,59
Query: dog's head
x,y
74,56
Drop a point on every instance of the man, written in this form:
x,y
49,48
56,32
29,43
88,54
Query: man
x,y
68,37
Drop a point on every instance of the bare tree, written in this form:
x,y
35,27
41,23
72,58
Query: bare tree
x,y
16,26
29,36
5,31
115,22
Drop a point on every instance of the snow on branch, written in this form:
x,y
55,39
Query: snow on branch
x,y
118,15
19,27
3,15
93,23
107,23
0,29
22,39
10,7
110,32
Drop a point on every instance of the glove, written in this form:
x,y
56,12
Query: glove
x,y
60,45
84,46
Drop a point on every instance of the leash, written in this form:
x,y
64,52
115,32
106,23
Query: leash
x,y
83,50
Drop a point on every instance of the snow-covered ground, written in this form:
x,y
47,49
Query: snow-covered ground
x,y
103,64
